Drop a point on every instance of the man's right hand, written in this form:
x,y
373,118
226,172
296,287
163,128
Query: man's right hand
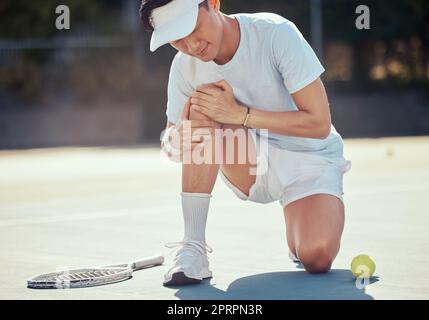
x,y
183,136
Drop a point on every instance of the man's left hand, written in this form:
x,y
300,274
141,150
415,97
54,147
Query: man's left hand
x,y
216,101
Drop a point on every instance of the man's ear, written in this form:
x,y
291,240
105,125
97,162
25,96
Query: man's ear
x,y
215,4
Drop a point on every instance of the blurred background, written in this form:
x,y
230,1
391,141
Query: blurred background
x,y
83,182
97,84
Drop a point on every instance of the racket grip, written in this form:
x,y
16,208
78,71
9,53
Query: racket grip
x,y
147,262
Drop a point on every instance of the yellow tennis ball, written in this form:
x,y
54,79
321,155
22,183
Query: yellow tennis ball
x,y
362,266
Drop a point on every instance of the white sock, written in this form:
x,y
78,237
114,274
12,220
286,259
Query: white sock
x,y
195,208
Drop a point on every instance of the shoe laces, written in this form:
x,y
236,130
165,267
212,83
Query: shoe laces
x,y
189,244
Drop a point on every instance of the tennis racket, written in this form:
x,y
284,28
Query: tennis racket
x,y
89,277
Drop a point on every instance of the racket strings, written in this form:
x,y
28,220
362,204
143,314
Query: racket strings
x,y
87,277
80,275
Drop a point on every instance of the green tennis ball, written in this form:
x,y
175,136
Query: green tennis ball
x,y
362,266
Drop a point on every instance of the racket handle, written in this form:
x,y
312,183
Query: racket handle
x,y
147,262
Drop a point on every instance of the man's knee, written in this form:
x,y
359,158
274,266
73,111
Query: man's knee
x,y
204,130
206,126
317,258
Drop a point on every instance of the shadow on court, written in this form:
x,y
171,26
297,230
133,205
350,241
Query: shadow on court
x,y
337,284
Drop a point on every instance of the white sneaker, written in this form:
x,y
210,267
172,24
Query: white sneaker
x,y
294,258
190,265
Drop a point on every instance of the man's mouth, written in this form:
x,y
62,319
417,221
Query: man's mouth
x,y
202,52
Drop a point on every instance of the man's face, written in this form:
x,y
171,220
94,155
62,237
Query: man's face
x,y
204,42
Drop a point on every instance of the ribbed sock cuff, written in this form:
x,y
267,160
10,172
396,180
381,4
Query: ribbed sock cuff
x,y
195,208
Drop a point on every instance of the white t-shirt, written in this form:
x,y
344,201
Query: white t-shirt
x,y
273,61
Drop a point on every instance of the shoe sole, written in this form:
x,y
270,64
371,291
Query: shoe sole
x,y
180,279
294,258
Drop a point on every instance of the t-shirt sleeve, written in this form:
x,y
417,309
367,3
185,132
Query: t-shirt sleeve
x,y
177,93
294,58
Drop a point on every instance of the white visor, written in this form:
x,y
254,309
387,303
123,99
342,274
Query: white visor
x,y
174,21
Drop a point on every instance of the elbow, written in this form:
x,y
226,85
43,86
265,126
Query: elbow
x,y
324,126
324,131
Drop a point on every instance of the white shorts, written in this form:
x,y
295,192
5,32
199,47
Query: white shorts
x,y
288,176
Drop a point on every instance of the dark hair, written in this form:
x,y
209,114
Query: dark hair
x,y
148,5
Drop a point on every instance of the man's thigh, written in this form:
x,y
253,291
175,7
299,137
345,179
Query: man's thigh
x,y
239,157
316,220
236,161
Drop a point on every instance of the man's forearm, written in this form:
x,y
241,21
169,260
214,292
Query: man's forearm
x,y
291,123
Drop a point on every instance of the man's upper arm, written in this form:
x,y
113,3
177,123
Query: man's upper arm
x,y
313,99
294,58
178,92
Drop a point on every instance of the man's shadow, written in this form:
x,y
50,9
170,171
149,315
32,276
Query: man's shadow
x,y
292,285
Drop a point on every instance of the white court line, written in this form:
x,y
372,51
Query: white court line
x,y
94,215
385,189
91,215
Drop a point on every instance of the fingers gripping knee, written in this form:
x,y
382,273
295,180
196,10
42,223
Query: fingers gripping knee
x,y
201,121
